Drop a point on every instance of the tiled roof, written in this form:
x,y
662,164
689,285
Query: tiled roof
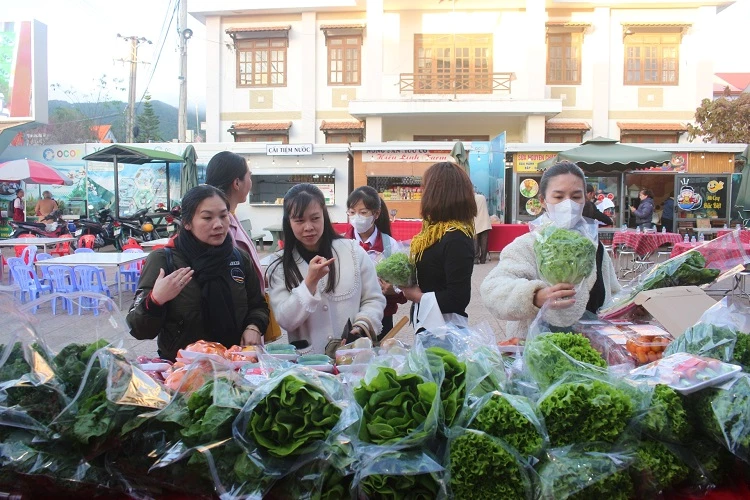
x,y
101,132
250,29
344,125
739,80
567,126
260,126
652,127
342,26
567,24
658,25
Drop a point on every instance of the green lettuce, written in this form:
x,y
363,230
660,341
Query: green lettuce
x,y
396,269
656,469
550,355
205,421
499,418
577,475
667,418
453,388
564,255
397,487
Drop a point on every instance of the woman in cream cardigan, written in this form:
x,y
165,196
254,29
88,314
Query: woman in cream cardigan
x,y
515,292
321,282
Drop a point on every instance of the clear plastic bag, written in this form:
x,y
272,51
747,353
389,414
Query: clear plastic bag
x,y
394,474
397,269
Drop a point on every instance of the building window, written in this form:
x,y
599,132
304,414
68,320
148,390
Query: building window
x,y
566,136
446,64
564,58
652,59
344,137
344,56
261,62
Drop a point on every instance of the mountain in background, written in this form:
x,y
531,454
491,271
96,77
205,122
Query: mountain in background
x,y
113,113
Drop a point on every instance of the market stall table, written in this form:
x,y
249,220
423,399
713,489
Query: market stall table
x,y
501,235
644,244
97,259
405,229
153,243
38,242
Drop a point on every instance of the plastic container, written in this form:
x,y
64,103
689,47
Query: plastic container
x,y
646,348
685,373
512,345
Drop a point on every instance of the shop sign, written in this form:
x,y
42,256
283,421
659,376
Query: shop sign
x,y
529,162
679,163
288,149
413,155
702,193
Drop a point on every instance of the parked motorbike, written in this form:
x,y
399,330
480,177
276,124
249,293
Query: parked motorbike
x,y
137,226
102,227
51,226
171,222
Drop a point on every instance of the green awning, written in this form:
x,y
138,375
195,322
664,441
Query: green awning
x,y
608,155
133,155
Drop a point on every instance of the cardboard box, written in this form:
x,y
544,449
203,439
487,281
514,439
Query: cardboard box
x,y
677,308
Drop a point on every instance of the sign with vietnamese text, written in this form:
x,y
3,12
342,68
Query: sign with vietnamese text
x,y
703,196
529,162
416,155
288,149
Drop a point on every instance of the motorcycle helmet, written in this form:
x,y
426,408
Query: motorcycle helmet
x,y
147,227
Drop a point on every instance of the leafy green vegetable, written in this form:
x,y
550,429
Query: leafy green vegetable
x,y
550,355
667,419
70,363
579,475
207,421
395,406
716,463
396,269
499,418
724,415
705,339
481,468
581,412
396,487
686,269
563,255
485,371
453,388
741,352
292,417
656,469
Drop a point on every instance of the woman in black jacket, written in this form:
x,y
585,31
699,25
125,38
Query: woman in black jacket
x,y
200,287
645,211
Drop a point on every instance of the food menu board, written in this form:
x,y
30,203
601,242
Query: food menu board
x,y
529,206
702,196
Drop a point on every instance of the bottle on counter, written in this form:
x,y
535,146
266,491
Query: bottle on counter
x,y
686,239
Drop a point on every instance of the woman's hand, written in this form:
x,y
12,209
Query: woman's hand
x,y
251,336
413,293
560,296
316,270
168,287
386,288
356,331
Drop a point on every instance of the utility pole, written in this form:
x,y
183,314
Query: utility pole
x,y
135,41
185,34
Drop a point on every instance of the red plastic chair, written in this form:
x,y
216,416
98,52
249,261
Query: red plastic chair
x,y
62,248
132,243
86,241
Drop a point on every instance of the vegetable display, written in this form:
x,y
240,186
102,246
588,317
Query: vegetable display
x,y
550,355
705,339
396,269
585,411
724,415
686,269
656,469
499,418
292,417
395,406
396,487
453,388
667,418
564,255
482,468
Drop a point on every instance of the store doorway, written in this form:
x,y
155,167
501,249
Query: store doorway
x,y
661,184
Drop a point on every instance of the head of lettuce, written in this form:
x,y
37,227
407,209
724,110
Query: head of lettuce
x,y
563,255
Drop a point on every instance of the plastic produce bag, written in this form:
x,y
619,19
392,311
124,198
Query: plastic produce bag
x,y
483,466
658,467
397,475
397,269
586,471
549,356
723,332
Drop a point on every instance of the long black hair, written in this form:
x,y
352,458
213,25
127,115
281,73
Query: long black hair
x,y
194,197
296,201
223,168
372,201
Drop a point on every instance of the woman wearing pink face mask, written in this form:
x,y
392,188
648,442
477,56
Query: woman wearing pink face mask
x,y
515,292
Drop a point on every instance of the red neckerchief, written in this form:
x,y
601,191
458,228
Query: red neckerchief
x,y
378,246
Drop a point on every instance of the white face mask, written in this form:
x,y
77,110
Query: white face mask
x,y
361,223
565,214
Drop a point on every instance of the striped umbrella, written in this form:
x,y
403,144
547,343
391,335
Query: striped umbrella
x,y
33,172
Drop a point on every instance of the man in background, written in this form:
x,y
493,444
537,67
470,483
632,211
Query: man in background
x,y
46,205
482,227
590,210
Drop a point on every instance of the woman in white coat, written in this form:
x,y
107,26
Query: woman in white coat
x,y
515,292
321,282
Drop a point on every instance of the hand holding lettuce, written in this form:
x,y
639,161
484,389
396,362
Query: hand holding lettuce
x,y
397,269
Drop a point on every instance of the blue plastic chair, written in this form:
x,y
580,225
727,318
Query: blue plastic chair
x,y
63,281
90,279
43,269
84,250
28,254
28,281
131,273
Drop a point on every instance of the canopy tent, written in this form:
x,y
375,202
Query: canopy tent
x,y
189,172
742,203
608,155
120,153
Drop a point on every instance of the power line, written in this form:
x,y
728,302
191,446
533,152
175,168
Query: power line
x,y
161,48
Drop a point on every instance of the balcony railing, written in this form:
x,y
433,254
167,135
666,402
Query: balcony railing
x,y
445,83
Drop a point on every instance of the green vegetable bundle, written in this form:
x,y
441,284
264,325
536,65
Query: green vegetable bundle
x,y
70,363
563,255
397,269
656,468
453,388
667,418
482,467
578,474
513,419
550,355
686,269
706,339
205,421
585,411
291,418
397,487
397,407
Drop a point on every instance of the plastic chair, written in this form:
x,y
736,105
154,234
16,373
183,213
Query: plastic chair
x,y
29,283
83,250
90,279
20,248
62,248
63,281
132,243
86,241
131,273
28,254
45,274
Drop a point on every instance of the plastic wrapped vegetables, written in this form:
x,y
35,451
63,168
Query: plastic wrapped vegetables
x,y
656,469
724,415
563,255
549,356
511,418
667,419
396,269
686,269
453,388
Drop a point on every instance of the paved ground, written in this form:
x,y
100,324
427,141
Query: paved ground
x,y
61,329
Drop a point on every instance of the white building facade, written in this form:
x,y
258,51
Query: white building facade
x,y
307,71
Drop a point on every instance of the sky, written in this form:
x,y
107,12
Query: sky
x,y
83,44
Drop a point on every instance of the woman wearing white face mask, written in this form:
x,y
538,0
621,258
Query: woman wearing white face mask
x,y
370,226
515,292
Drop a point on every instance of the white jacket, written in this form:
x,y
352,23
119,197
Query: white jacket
x,y
320,317
508,290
